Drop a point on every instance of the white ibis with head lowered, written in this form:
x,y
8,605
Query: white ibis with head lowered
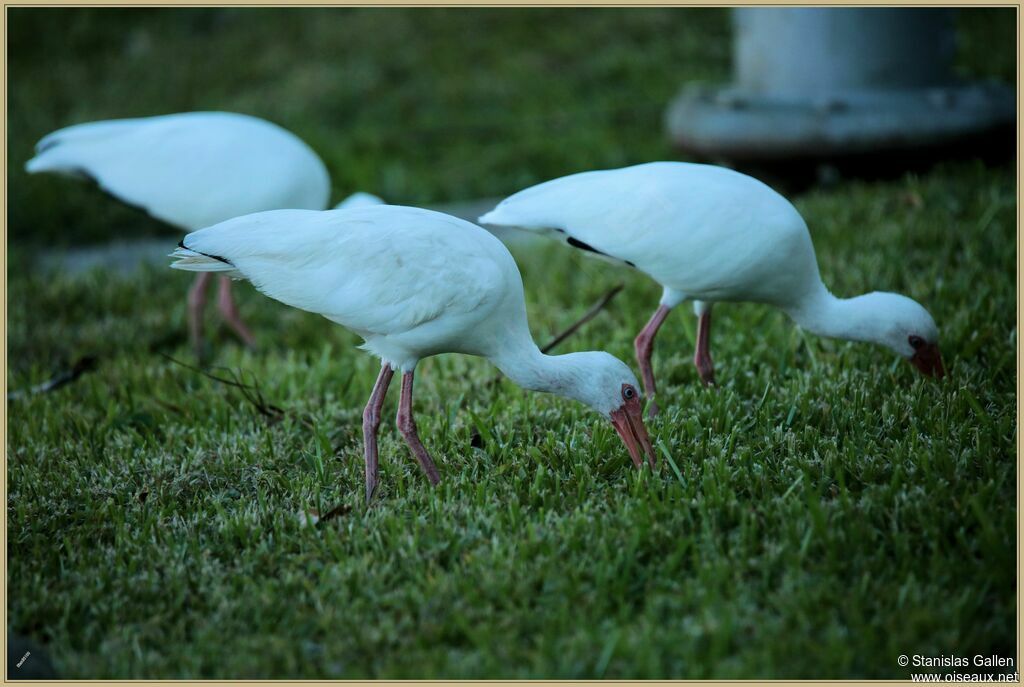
x,y
710,234
357,200
192,170
412,283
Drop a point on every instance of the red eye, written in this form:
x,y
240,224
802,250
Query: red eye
x,y
916,342
628,392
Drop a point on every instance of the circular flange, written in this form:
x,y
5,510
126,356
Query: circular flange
x,y
733,123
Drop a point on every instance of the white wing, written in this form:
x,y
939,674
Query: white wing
x,y
192,169
380,270
614,211
705,231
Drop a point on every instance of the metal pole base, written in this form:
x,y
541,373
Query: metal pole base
x,y
733,123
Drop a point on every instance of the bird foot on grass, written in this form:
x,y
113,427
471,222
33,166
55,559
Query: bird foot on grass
x,y
706,372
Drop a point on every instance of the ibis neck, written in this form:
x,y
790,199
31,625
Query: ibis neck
x,y
531,369
525,365
852,319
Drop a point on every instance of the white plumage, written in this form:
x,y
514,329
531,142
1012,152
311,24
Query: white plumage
x,y
413,283
359,199
710,234
192,170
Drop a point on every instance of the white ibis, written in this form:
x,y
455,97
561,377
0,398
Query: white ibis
x,y
412,283
192,170
710,234
358,200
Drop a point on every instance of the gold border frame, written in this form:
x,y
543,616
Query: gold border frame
x,y
466,4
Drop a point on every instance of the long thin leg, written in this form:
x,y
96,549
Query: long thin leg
x,y
644,345
702,356
196,302
230,312
407,426
371,422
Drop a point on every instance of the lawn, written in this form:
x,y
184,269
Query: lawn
x,y
820,513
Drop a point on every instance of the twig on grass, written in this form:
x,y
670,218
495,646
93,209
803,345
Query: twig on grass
x,y
312,518
251,392
587,317
84,364
339,510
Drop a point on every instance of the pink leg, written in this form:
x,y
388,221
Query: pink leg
x,y
196,302
407,426
371,422
230,312
702,356
644,345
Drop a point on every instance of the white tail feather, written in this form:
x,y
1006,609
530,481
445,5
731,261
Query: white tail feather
x,y
46,162
191,261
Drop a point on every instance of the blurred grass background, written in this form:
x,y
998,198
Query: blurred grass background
x,y
832,510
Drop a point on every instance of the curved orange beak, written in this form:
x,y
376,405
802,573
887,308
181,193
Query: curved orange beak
x,y
928,361
629,423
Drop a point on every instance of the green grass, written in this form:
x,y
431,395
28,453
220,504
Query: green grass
x,y
831,510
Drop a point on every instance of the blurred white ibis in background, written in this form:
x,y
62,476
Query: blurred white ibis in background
x,y
412,283
356,200
192,170
710,234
